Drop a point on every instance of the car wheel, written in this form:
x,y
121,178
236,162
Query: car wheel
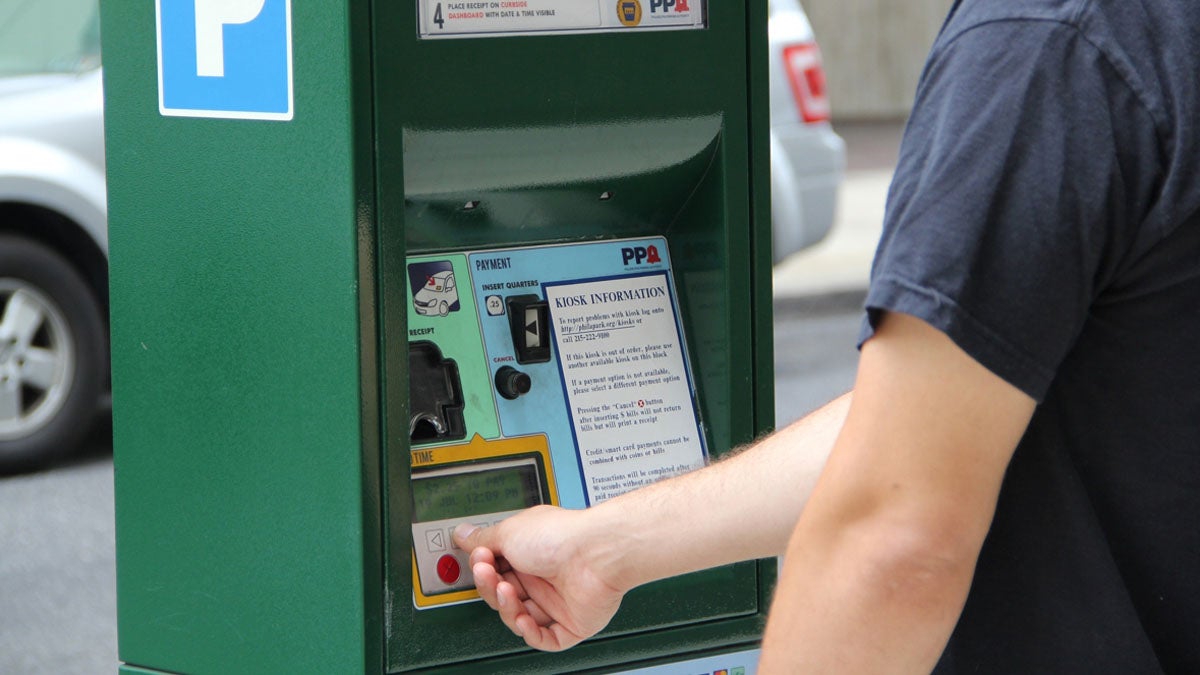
x,y
443,308
53,354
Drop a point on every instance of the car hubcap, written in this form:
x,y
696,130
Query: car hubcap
x,y
36,359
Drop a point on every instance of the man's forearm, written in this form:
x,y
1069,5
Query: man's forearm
x,y
740,508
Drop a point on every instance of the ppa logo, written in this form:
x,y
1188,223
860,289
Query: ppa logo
x,y
639,255
665,6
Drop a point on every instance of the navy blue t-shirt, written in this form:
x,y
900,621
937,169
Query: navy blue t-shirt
x,y
1044,215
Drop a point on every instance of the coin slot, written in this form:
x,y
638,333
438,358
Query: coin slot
x,y
529,321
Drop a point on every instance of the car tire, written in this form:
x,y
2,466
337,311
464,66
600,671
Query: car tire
x,y
53,355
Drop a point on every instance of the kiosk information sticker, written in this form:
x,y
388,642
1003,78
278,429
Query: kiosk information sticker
x,y
461,18
624,377
548,374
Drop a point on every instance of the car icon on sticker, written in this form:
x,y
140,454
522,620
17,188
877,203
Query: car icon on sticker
x,y
439,295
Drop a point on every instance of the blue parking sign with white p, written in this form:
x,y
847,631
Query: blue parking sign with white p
x,y
225,58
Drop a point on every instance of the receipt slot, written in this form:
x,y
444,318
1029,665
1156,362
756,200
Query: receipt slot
x,y
395,266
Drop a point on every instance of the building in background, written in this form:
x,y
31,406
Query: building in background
x,y
874,51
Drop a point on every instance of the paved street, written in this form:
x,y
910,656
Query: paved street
x,y
815,356
57,590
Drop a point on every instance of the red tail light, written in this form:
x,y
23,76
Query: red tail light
x,y
807,77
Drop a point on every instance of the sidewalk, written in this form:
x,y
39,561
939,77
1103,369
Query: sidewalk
x,y
839,266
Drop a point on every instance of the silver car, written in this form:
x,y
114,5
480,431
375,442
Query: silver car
x,y
807,158
53,241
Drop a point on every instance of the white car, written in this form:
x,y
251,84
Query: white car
x,y
53,234
439,295
807,158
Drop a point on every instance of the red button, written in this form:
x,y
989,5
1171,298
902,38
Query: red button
x,y
448,569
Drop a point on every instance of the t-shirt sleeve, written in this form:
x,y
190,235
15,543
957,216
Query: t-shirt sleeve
x,y
1027,166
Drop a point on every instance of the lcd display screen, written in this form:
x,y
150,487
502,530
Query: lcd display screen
x,y
469,493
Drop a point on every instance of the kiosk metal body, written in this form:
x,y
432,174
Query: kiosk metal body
x,y
471,257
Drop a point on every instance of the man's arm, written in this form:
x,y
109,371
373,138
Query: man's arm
x,y
878,569
557,576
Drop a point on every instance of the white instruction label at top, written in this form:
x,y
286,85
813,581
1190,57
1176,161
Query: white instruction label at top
x,y
457,18
626,380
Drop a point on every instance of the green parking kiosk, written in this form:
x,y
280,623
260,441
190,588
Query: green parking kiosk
x,y
380,267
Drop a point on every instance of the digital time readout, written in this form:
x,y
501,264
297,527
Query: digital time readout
x,y
469,493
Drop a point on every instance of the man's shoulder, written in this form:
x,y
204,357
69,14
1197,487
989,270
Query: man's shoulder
x,y
968,14
1115,24
1016,28
1153,46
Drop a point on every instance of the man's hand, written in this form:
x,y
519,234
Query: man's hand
x,y
560,595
